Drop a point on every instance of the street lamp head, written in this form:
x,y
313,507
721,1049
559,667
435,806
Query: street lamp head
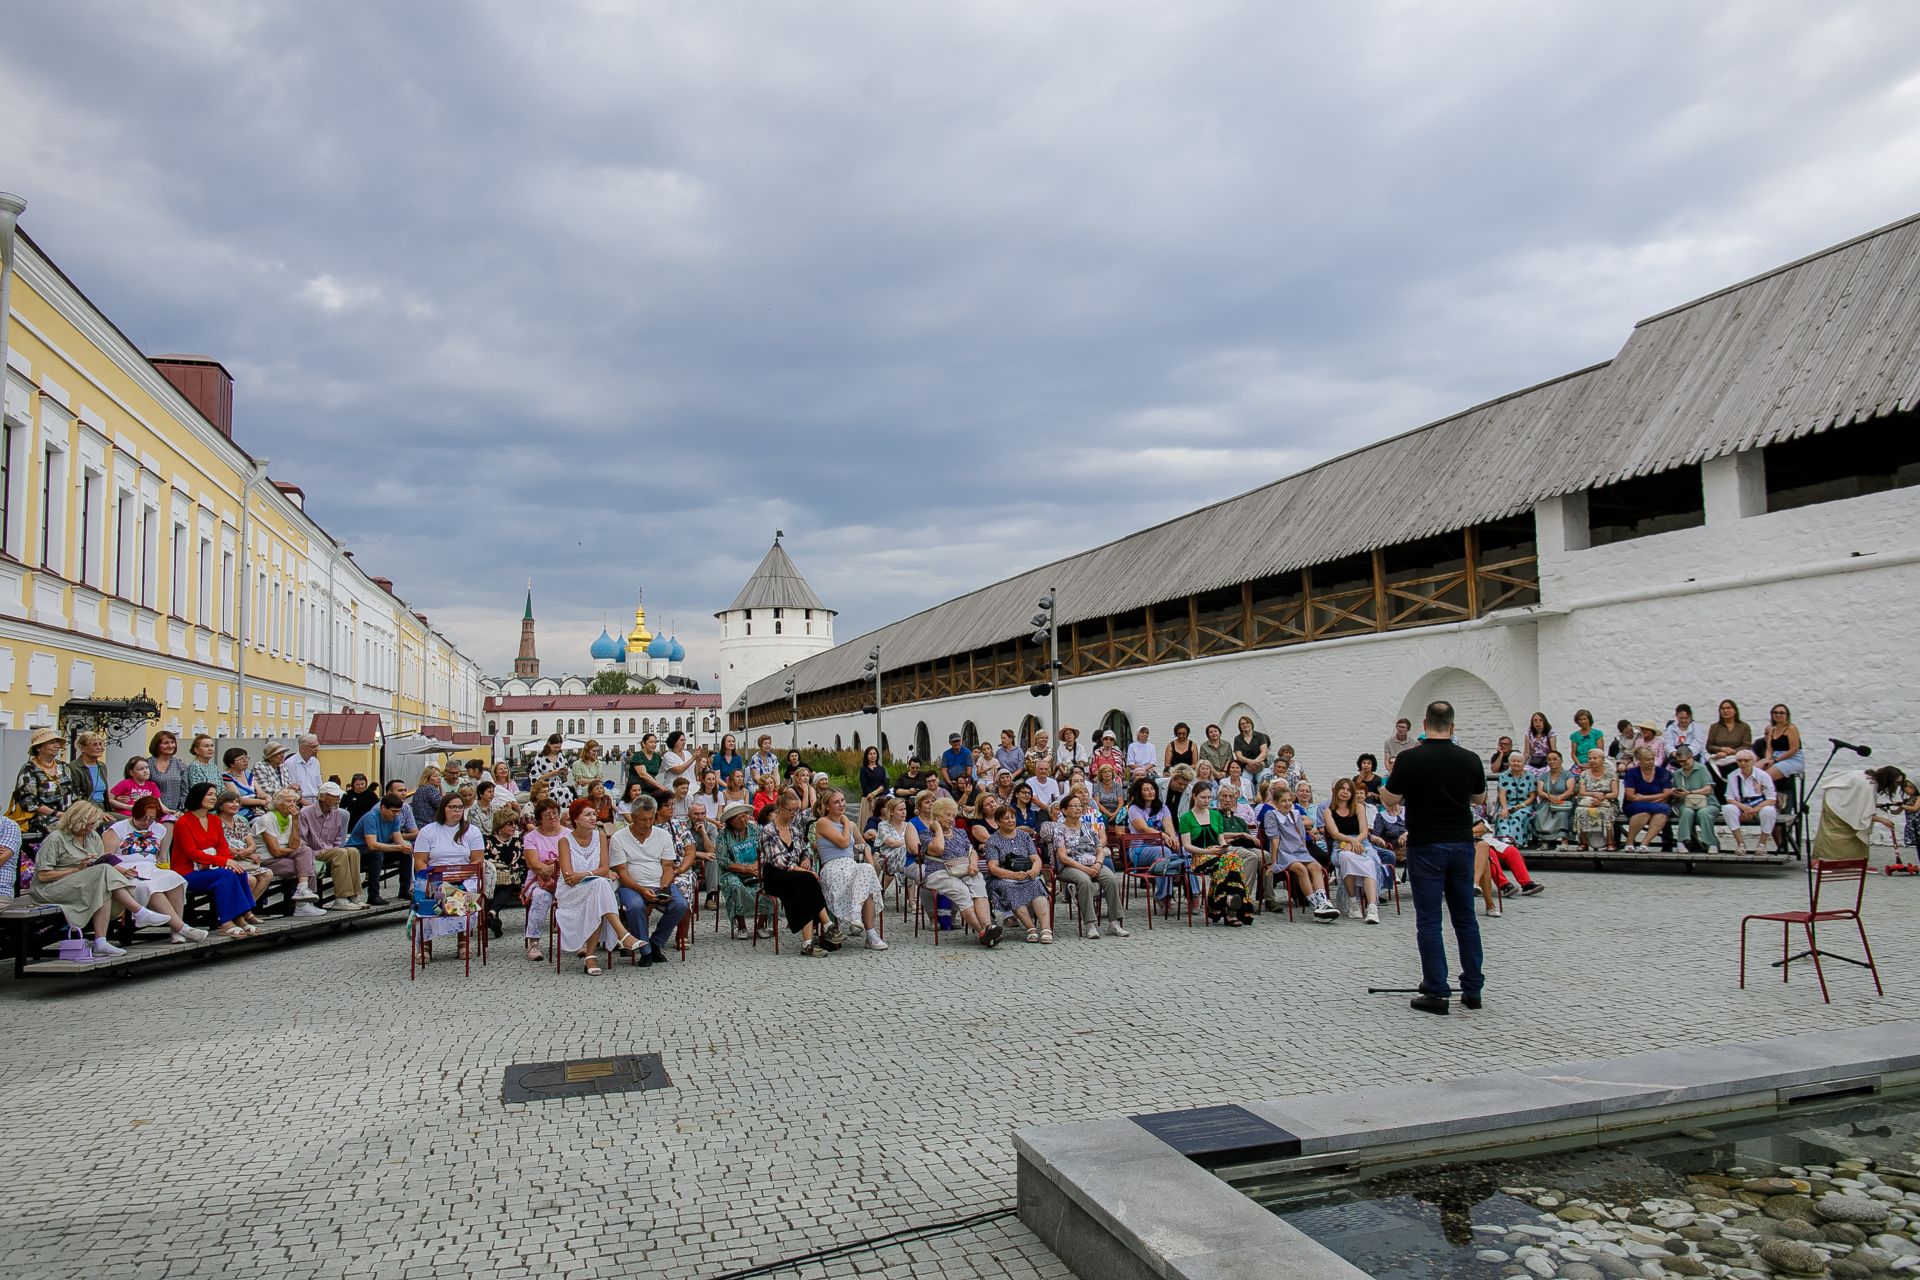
x,y
1046,601
1039,620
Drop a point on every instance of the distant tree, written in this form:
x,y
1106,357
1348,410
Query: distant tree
x,y
615,681
649,687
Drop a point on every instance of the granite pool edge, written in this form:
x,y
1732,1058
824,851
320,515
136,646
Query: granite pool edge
x,y
1116,1203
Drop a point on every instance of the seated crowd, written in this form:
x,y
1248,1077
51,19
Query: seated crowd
x,y
995,834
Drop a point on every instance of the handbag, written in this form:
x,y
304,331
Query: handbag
x,y
74,948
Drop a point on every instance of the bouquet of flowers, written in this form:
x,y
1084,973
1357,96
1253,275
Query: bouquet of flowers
x,y
455,901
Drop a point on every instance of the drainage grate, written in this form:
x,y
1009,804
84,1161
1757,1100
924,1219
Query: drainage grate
x,y
622,1073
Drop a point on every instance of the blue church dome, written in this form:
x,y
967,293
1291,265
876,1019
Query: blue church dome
x,y
679,652
605,648
660,647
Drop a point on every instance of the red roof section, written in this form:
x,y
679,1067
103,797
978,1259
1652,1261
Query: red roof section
x,y
471,738
345,728
603,702
439,732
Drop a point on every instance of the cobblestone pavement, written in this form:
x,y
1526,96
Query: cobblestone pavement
x,y
309,1112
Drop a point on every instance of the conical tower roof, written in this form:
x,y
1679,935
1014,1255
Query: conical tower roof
x,y
776,584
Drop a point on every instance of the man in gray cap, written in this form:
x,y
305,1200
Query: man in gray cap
x,y
956,761
323,829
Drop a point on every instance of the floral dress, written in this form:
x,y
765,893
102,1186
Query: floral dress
x,y
33,787
739,887
1593,804
1224,865
1517,827
1014,853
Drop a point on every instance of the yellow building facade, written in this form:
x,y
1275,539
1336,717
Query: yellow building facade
x,y
143,550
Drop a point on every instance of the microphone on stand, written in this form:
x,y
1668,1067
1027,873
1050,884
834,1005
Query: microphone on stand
x,y
1850,746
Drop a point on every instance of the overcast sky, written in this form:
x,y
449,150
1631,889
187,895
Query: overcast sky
x,y
602,293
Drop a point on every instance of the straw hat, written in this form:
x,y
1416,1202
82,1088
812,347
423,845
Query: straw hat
x,y
735,810
1648,725
42,736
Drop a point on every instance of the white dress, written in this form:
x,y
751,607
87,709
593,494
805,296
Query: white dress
x,y
139,854
579,907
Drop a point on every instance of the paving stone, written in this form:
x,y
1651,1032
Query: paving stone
x,y
811,1097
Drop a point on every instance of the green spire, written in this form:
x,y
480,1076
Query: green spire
x,y
528,615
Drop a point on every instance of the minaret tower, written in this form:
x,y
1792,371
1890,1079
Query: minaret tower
x,y
527,664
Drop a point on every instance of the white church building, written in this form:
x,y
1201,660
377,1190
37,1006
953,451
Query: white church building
x,y
1728,508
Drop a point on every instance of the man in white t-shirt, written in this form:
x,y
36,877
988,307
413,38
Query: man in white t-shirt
x,y
1047,791
644,860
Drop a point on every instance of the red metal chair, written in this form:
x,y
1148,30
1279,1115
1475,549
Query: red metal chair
x,y
475,937
1131,875
1826,871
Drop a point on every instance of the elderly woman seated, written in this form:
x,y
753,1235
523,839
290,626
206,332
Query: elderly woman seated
x,y
1511,798
1645,789
738,857
1554,795
1495,858
1696,815
1751,798
1596,794
76,875
1080,857
952,871
141,842
1014,871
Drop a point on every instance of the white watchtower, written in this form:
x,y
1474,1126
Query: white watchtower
x,y
775,620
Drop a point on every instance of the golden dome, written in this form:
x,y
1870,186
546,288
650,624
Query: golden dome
x,y
639,636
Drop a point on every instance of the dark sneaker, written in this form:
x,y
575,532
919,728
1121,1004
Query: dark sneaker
x,y
1508,890
1429,1004
1470,1002
991,938
1533,888
833,933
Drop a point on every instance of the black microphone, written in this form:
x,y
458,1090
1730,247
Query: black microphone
x,y
1850,746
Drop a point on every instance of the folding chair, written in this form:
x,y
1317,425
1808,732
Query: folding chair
x,y
1836,871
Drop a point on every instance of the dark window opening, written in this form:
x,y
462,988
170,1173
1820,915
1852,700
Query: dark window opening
x,y
1664,502
1426,581
1846,462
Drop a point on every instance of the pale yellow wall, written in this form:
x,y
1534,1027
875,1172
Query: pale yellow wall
x,y
64,632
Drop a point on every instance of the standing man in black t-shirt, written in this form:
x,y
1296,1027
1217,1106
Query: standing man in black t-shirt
x,y
1438,780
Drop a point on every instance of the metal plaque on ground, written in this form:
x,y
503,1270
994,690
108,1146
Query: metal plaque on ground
x,y
1219,1135
622,1073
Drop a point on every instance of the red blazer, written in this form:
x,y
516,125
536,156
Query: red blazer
x,y
201,843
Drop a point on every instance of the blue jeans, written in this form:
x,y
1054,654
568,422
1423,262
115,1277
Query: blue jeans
x,y
1443,873
633,913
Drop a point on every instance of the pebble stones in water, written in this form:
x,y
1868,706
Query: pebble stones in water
x,y
1772,1186
1837,1208
1583,1271
1788,1206
1686,1267
1792,1257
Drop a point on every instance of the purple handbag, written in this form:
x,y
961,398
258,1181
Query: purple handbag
x,y
74,947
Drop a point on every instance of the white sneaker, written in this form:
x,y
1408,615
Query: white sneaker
x,y
1494,910
1117,930
101,947
354,904
307,910
148,919
1353,911
304,893
874,941
741,931
191,934
1373,915
1091,932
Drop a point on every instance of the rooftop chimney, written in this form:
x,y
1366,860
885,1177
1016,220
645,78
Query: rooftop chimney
x,y
295,494
205,383
385,584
